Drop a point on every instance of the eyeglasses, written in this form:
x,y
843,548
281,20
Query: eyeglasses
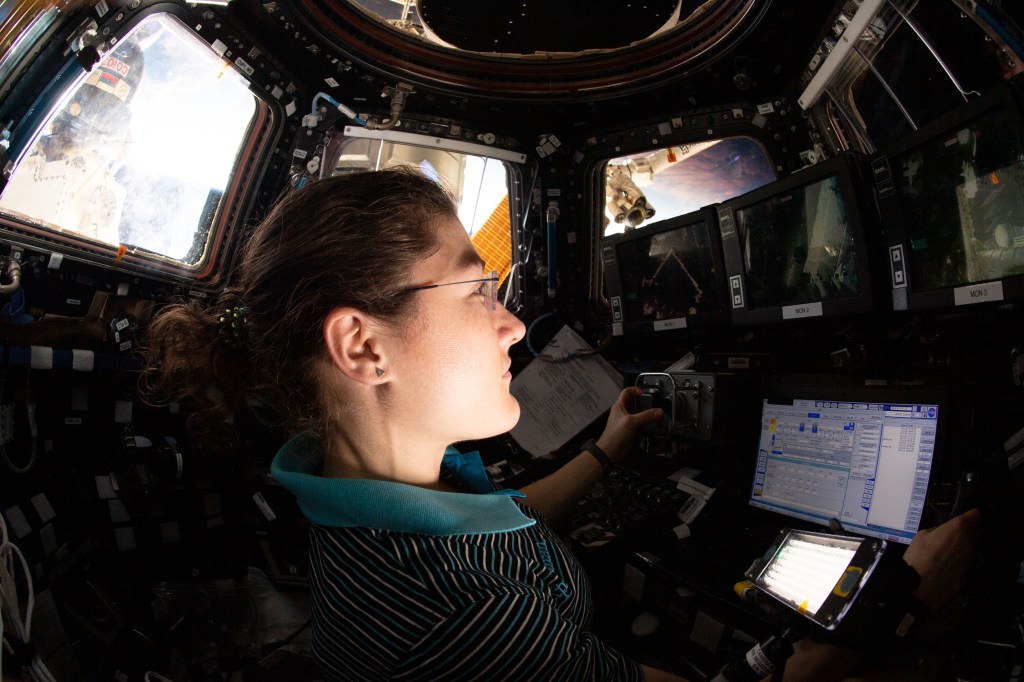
x,y
488,287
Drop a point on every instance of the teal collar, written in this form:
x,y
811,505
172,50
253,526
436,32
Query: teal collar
x,y
385,505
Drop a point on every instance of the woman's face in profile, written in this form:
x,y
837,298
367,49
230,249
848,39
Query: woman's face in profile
x,y
453,364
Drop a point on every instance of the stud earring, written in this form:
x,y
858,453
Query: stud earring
x,y
380,372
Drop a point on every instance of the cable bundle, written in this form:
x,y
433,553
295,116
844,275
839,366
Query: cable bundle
x,y
16,628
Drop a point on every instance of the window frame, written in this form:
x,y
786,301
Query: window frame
x,y
240,190
519,195
838,111
596,182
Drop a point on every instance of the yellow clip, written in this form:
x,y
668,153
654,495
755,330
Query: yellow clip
x,y
849,581
121,250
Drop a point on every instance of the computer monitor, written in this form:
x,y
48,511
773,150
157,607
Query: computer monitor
x,y
796,248
951,197
865,464
667,275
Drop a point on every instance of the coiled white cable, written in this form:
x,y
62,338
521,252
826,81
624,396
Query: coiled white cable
x,y
11,619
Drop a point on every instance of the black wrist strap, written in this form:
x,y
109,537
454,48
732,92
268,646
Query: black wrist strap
x,y
600,455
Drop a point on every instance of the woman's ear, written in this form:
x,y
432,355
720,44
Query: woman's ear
x,y
356,345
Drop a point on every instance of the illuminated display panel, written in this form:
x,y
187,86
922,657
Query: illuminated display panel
x,y
816,574
796,248
866,464
665,276
952,207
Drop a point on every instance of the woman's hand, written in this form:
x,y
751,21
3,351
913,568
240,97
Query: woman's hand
x,y
620,432
941,556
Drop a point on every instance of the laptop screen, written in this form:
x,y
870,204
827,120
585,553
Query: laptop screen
x,y
865,464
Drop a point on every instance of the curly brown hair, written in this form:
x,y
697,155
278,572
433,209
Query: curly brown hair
x,y
350,240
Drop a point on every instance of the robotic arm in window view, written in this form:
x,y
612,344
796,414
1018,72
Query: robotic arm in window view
x,y
625,200
67,179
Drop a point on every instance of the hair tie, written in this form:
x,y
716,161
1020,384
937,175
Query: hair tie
x,y
233,326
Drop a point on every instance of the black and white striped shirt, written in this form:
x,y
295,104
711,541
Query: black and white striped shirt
x,y
415,584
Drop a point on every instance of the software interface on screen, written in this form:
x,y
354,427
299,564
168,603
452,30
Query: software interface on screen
x,y
798,247
963,200
865,464
669,275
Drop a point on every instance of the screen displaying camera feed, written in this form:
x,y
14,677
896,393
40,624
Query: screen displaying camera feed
x,y
798,247
962,198
668,275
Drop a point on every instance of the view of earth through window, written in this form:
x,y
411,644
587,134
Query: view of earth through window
x,y
644,188
116,161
